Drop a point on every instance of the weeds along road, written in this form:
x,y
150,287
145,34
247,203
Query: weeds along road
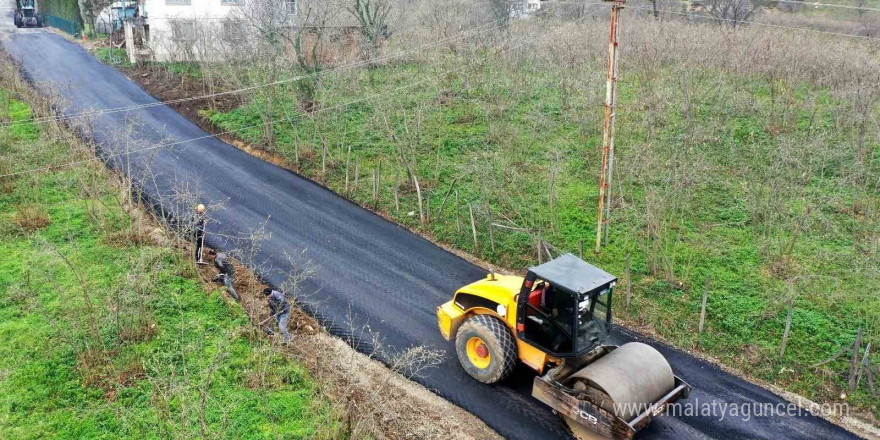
x,y
370,272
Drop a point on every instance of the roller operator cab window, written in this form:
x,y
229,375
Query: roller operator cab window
x,y
549,318
593,318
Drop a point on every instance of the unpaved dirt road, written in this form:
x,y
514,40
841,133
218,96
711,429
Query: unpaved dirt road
x,y
371,273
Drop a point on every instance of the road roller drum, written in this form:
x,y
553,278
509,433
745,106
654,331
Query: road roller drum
x,y
627,380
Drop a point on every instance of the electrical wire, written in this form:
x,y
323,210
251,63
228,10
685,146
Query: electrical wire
x,y
827,5
823,5
461,35
730,20
450,71
288,119
755,23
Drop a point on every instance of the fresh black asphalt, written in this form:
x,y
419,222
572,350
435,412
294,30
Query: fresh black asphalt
x,y
371,272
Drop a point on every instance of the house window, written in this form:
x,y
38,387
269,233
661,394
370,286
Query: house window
x,y
230,2
177,2
183,31
290,6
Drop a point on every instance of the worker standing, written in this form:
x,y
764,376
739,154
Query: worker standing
x,y
200,232
227,272
280,309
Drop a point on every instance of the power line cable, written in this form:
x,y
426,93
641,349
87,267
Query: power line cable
x,y
461,35
242,90
820,5
458,36
755,23
827,5
288,119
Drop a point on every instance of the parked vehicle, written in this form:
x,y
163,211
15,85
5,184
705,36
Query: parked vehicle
x,y
26,14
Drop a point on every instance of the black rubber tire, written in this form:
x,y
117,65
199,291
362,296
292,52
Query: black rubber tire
x,y
39,22
17,20
499,341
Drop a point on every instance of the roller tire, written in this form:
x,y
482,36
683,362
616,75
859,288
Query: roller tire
x,y
500,343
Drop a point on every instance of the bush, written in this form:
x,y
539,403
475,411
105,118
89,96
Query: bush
x,y
30,218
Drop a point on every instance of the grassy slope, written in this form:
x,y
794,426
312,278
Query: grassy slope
x,y
166,340
499,134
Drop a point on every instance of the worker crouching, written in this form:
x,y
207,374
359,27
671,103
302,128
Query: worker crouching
x,y
279,307
227,272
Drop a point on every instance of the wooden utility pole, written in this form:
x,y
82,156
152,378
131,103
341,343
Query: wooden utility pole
x,y
629,284
703,307
608,137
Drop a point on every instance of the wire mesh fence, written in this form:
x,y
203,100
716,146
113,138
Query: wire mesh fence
x,y
67,26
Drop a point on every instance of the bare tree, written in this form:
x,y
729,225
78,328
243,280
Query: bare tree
x,y
259,52
501,10
91,9
372,17
733,12
443,21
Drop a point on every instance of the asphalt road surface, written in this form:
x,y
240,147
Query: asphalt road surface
x,y
370,272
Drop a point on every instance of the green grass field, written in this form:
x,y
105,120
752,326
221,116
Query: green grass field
x,y
108,336
759,185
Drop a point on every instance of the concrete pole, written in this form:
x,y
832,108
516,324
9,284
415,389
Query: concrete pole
x,y
128,26
608,137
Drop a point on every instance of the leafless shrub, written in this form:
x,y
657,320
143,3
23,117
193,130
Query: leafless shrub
x,y
90,9
31,217
6,183
130,310
568,11
300,270
733,12
501,10
865,23
446,20
373,19
377,393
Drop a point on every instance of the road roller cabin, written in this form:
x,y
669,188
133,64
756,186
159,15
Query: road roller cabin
x,y
556,321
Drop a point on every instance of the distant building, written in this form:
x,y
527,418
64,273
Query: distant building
x,y
524,8
188,29
110,19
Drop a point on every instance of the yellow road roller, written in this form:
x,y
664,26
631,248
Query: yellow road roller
x,y
556,320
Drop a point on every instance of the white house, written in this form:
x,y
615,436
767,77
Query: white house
x,y
524,8
191,29
110,19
